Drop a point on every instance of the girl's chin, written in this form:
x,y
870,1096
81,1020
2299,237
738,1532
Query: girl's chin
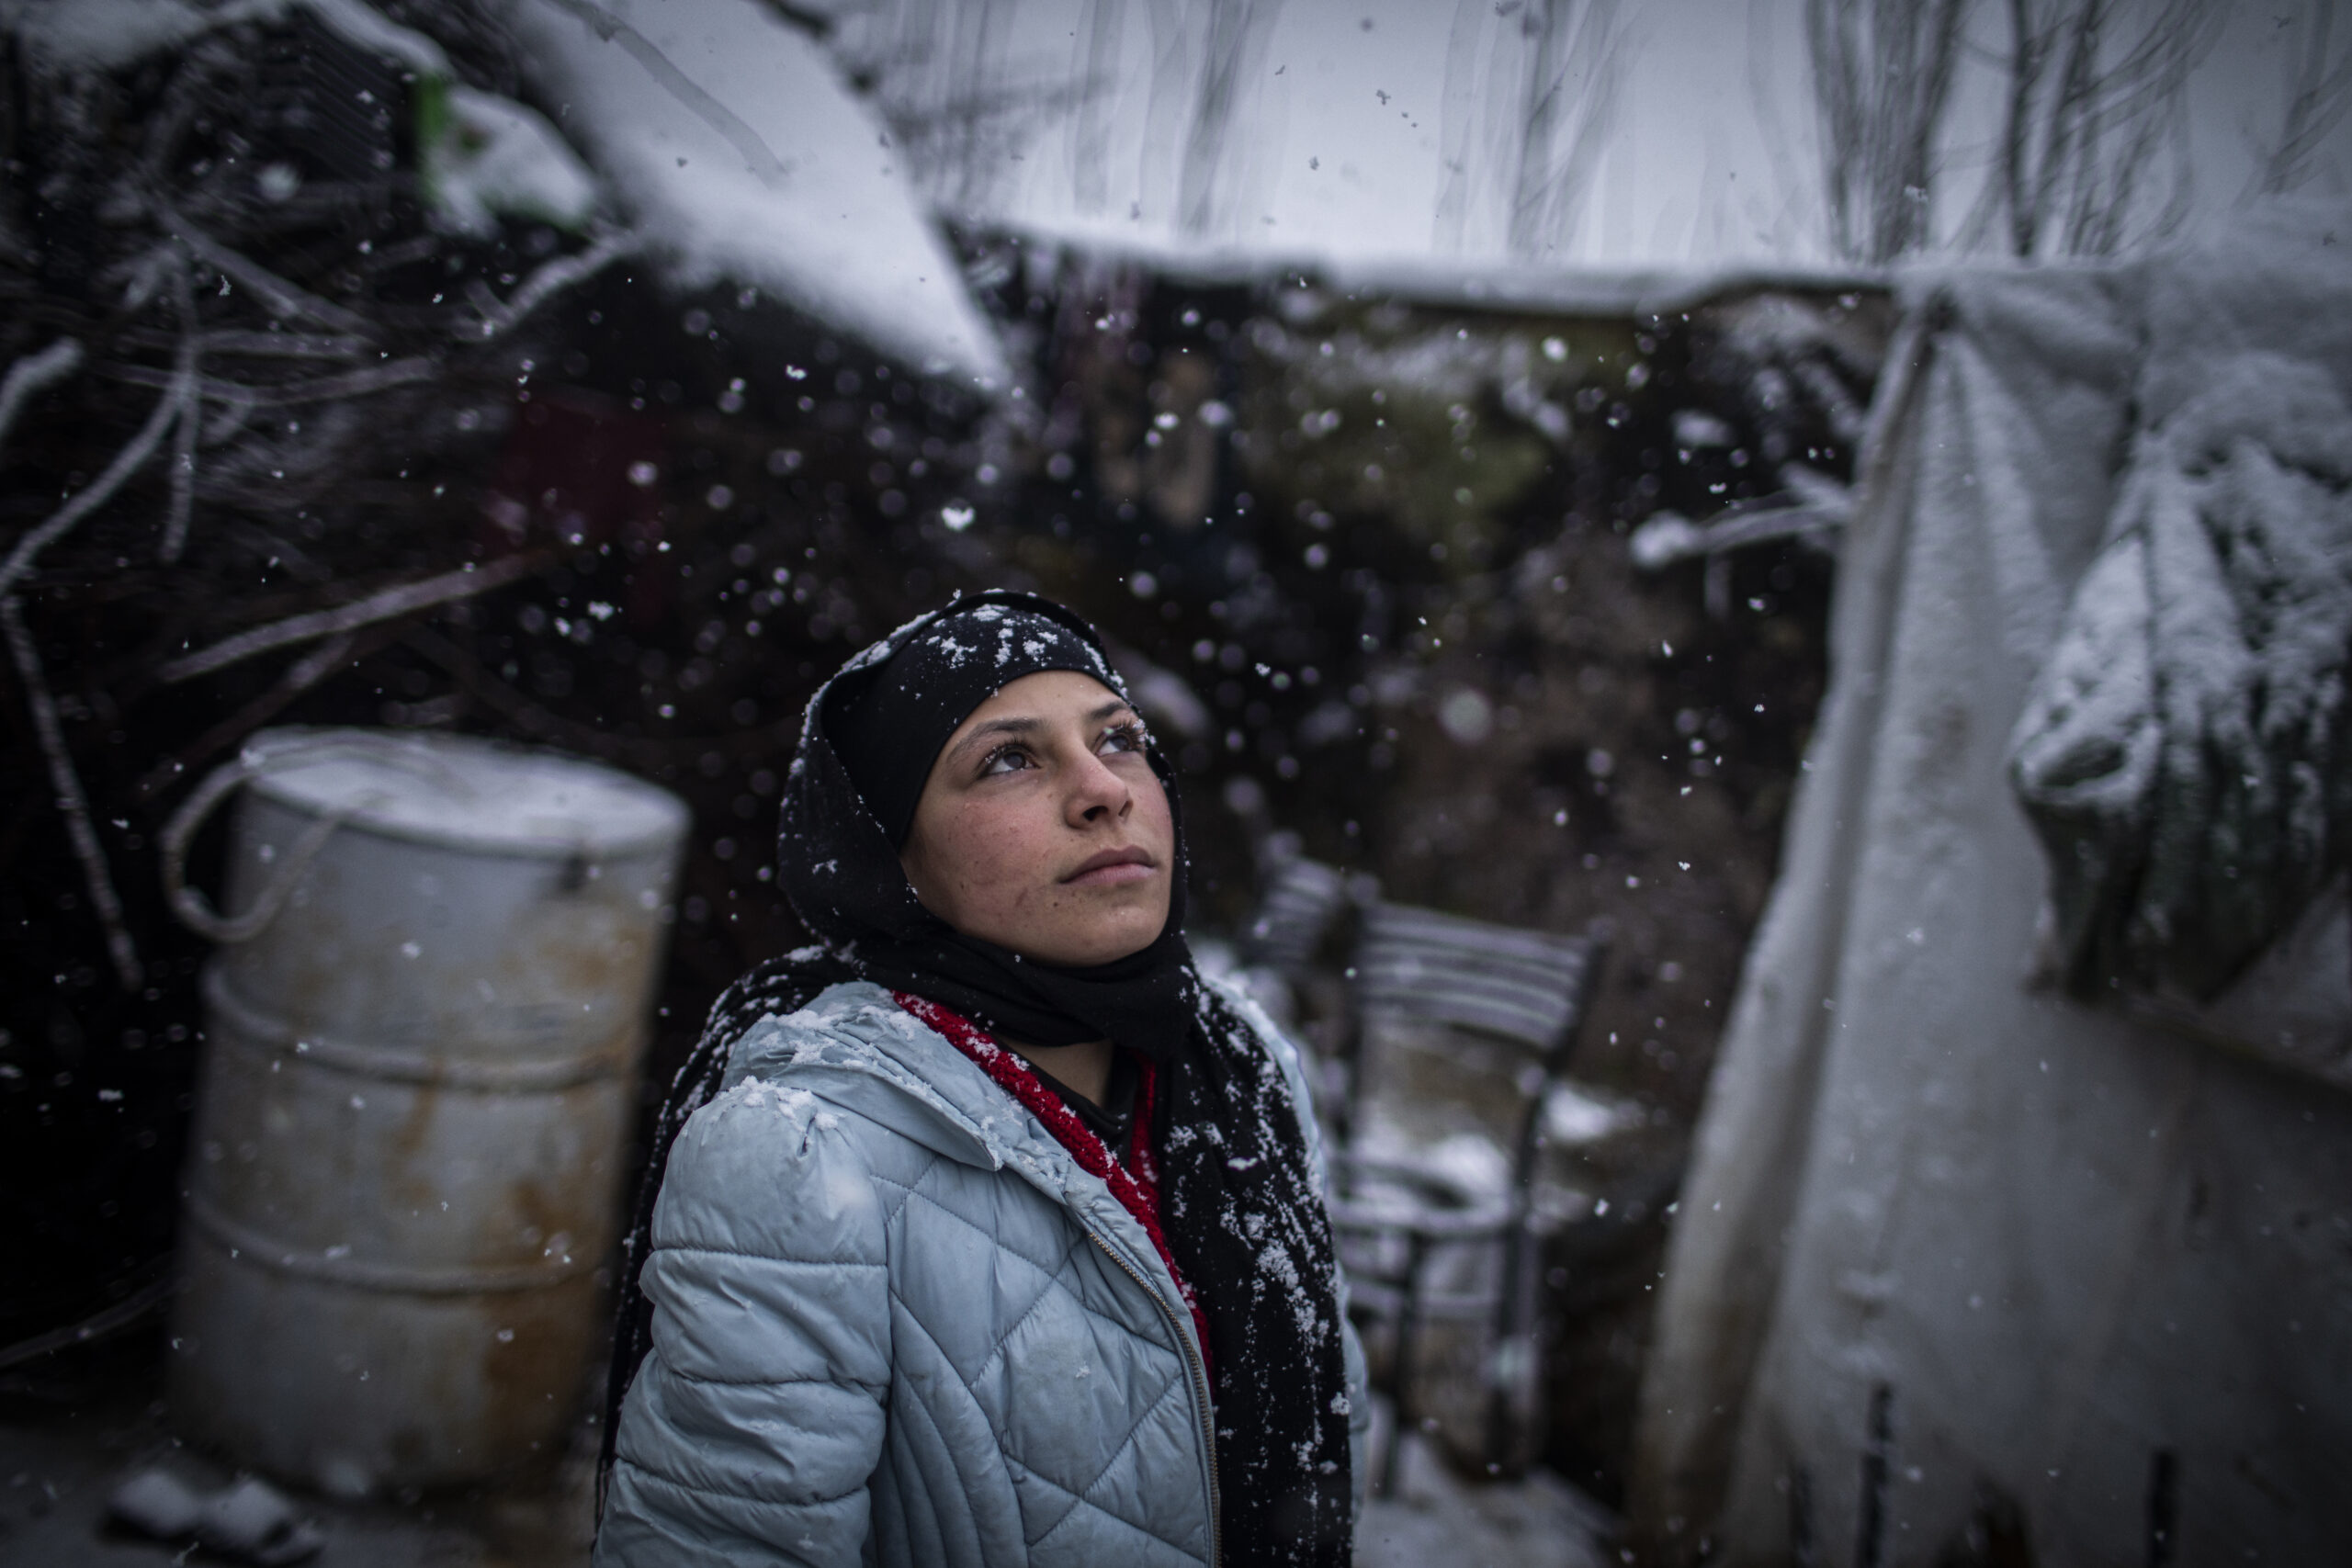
x,y
1103,942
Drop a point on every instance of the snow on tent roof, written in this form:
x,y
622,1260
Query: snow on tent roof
x,y
740,156
1469,282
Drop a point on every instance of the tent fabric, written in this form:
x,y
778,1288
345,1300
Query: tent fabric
x,y
1962,1263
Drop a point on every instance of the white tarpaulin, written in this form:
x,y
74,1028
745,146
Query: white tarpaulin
x,y
1965,1267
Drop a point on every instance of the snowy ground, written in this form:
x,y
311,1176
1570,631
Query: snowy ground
x,y
57,1468
1438,1518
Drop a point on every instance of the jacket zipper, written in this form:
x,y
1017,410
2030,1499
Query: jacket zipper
x,y
1200,1378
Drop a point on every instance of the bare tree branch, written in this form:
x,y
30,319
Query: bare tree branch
x,y
223,343
1235,46
33,375
281,296
553,277
1166,110
1103,32
105,1324
2086,116
2092,98
2318,93
1457,106
975,38
97,493
300,677
1569,39
358,383
1883,75
73,803
189,418
1530,91
389,604
958,115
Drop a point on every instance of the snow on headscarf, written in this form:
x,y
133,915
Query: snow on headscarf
x,y
865,751
1243,1214
888,721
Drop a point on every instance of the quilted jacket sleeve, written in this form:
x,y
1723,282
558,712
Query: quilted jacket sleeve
x,y
751,1429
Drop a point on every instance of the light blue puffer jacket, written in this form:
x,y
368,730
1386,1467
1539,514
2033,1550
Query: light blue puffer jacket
x,y
896,1323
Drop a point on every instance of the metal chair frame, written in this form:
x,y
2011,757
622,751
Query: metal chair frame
x,y
1527,989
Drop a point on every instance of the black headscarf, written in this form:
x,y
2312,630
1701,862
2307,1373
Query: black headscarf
x,y
888,721
1241,1210
848,803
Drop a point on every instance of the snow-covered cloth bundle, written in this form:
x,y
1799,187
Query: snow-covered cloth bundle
x,y
1240,1183
2185,753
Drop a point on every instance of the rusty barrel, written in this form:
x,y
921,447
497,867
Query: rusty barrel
x,y
422,1035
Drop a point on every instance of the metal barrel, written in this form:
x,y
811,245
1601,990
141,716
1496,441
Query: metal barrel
x,y
414,1103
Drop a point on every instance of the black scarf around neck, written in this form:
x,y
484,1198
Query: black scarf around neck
x,y
1240,1209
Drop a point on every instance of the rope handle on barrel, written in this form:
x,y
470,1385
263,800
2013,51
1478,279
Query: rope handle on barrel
x,y
190,906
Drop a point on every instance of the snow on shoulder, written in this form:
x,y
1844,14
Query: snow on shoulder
x,y
738,151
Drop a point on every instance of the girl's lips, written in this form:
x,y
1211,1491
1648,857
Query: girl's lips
x,y
1117,874
1112,868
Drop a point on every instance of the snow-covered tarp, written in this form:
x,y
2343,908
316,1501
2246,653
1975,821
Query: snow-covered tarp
x,y
737,150
1967,1270
1619,292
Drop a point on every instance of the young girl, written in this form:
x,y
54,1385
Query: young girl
x,y
989,1232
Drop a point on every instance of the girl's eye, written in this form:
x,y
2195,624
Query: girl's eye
x,y
1010,759
1124,737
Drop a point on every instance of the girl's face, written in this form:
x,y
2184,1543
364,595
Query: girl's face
x,y
1042,828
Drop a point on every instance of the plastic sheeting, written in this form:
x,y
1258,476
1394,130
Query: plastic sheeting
x,y
1965,1267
